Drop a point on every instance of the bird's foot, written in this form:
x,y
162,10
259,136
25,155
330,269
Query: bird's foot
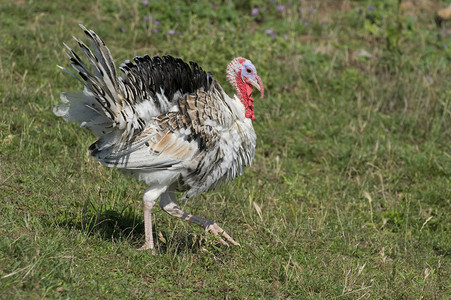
x,y
216,230
146,246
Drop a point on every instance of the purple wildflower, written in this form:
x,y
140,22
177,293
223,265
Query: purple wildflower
x,y
147,18
269,31
178,11
155,30
273,35
156,22
179,33
280,7
264,8
213,6
254,11
371,8
428,80
171,32
145,2
445,46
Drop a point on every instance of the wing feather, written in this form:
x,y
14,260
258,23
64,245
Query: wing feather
x,y
182,137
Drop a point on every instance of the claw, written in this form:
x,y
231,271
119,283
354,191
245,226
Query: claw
x,y
216,230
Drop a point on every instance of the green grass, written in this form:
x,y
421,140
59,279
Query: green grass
x,y
349,195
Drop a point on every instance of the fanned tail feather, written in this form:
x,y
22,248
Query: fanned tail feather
x,y
100,107
102,86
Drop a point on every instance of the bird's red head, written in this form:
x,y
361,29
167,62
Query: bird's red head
x,y
242,75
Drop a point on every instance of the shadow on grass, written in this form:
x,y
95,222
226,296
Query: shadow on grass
x,y
127,225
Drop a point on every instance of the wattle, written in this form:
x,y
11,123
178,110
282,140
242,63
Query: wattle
x,y
248,102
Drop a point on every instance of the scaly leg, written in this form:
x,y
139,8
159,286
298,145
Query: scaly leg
x,y
150,198
168,204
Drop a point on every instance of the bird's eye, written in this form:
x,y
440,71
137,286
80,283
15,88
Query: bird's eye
x,y
249,70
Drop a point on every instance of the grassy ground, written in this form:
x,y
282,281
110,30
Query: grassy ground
x,y
349,194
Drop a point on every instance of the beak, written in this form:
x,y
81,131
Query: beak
x,y
258,84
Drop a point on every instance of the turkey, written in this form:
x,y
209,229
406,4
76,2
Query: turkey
x,y
166,122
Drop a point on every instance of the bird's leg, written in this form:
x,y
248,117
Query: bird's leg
x,y
148,244
150,198
169,205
